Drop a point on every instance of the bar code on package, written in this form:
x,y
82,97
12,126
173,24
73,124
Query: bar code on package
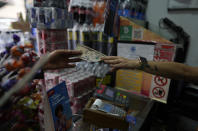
x,y
137,34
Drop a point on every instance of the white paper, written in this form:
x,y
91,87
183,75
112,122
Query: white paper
x,y
133,51
183,3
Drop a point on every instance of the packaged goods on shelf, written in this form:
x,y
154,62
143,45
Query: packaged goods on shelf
x,y
132,9
20,111
78,81
95,13
91,37
51,3
49,18
50,40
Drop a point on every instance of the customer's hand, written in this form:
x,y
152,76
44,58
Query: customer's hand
x,y
117,62
62,59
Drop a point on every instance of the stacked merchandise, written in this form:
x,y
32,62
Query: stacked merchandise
x,y
133,9
80,82
90,21
49,16
51,19
93,26
21,110
50,40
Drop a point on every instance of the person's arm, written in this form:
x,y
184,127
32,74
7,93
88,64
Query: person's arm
x,y
171,70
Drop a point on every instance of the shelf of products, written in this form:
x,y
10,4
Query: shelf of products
x,y
20,97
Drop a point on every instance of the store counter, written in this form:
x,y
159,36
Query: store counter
x,y
141,105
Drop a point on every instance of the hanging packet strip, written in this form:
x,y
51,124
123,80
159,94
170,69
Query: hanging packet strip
x,y
89,54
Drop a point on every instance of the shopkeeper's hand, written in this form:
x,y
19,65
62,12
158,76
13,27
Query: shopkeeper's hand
x,y
62,59
117,62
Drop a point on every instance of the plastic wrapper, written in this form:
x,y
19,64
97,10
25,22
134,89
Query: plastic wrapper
x,y
51,3
50,40
49,18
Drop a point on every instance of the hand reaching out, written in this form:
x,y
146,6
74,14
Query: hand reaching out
x,y
117,62
62,59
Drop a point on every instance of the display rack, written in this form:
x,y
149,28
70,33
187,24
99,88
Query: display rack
x,y
27,78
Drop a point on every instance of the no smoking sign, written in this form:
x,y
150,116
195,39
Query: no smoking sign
x,y
158,92
160,81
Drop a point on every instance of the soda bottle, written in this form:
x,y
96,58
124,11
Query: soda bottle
x,y
102,6
110,46
96,13
100,39
76,35
69,39
89,13
81,12
94,37
99,9
104,43
75,8
85,35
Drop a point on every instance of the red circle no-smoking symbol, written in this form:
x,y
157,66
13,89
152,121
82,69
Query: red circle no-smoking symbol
x,y
160,81
158,92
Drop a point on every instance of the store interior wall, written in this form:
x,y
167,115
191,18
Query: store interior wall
x,y
188,20
9,13
12,8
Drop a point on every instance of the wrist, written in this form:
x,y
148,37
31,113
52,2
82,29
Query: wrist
x,y
137,64
143,63
133,64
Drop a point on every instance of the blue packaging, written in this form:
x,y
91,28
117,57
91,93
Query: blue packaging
x,y
60,107
127,13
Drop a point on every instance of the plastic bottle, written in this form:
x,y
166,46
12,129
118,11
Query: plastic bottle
x,y
69,39
133,9
81,12
96,17
95,32
75,35
75,8
102,7
110,46
143,14
139,13
120,8
85,35
89,13
127,8
100,39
